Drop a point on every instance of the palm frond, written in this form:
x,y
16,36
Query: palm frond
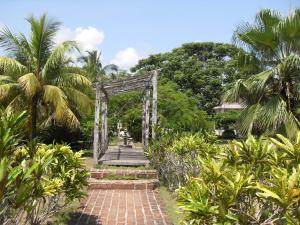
x,y
57,59
15,105
42,33
248,118
260,38
57,98
81,100
10,66
74,80
272,114
5,79
237,92
30,84
258,84
267,19
7,90
289,32
9,41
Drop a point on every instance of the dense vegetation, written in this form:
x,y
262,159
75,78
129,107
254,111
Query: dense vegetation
x,y
251,181
201,70
36,180
271,97
255,181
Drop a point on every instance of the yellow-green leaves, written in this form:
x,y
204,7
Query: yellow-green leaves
x,y
30,84
57,98
255,181
10,66
283,188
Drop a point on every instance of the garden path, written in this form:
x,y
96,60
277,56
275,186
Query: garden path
x,y
121,207
125,196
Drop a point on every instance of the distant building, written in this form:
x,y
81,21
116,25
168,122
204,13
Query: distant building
x,y
226,106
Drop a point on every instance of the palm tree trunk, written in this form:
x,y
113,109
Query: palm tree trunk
x,y
33,116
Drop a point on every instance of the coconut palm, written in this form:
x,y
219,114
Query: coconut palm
x,y
94,68
38,76
272,96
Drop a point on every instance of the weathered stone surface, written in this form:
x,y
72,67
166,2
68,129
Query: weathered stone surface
x,y
124,157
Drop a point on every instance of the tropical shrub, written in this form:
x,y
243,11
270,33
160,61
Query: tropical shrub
x,y
173,155
250,182
36,180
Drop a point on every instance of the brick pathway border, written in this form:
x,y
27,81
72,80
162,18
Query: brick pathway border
x,y
144,174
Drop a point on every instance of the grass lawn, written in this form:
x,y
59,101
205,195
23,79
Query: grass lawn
x,y
170,205
63,217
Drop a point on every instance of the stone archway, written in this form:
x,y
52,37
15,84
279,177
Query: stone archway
x,y
117,87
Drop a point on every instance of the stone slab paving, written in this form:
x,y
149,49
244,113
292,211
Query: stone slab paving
x,y
120,156
121,207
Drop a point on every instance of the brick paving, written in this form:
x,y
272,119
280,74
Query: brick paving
x,y
121,207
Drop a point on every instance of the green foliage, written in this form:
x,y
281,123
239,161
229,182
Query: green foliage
x,y
250,182
40,77
36,180
201,70
174,154
226,120
176,112
94,68
271,97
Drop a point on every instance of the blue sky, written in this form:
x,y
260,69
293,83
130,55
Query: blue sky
x,y
126,30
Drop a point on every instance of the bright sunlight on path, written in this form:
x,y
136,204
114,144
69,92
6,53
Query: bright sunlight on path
x,y
120,207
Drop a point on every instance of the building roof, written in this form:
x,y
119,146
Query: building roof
x,y
229,105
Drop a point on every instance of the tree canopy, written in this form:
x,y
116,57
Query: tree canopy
x,y
201,70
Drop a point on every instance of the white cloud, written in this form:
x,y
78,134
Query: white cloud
x,y
87,38
126,58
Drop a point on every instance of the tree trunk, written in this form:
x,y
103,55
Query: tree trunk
x,y
33,116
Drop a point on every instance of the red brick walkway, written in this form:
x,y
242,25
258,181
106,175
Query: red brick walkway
x,y
121,207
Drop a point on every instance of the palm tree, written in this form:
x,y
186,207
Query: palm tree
x,y
272,96
38,76
94,68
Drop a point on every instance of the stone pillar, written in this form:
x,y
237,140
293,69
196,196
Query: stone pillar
x,y
154,103
143,121
104,129
147,116
96,126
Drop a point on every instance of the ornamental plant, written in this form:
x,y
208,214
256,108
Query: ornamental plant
x,y
255,181
36,180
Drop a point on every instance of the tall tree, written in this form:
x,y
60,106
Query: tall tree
x,y
38,75
271,97
202,70
94,68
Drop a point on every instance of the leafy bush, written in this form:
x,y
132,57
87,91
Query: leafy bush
x,y
36,180
173,155
252,182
